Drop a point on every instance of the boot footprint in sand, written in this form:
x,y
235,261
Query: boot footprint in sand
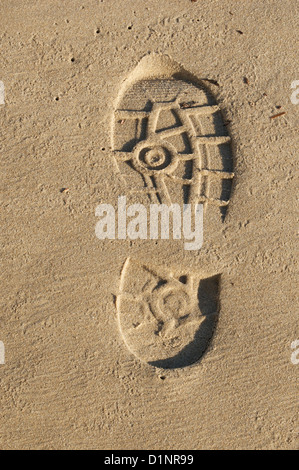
x,y
170,142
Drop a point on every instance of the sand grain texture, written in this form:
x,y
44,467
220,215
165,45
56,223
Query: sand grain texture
x,y
69,381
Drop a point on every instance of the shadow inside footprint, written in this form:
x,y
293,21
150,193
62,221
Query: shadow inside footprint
x,y
208,301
